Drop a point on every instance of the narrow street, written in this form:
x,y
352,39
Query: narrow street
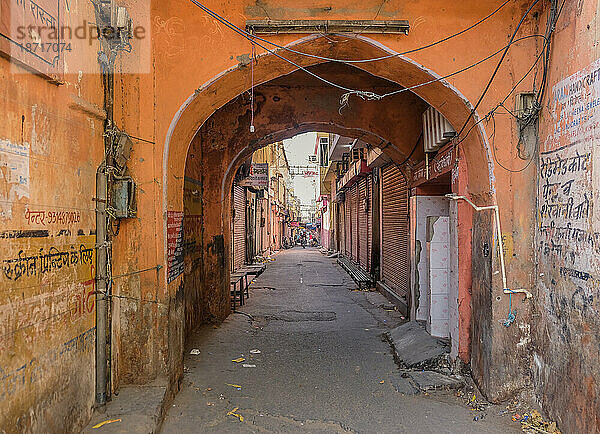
x,y
323,365
438,160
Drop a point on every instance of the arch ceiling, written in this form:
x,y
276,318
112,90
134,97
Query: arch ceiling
x,y
289,102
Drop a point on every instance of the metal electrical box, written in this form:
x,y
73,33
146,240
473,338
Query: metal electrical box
x,y
123,198
122,147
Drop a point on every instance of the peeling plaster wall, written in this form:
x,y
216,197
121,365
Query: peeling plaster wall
x,y
150,316
566,353
288,109
50,145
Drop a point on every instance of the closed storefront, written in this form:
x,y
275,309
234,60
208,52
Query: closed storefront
x,y
353,194
395,230
347,226
369,211
238,249
341,228
363,224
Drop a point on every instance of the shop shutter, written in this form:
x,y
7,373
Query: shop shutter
x,y
239,226
354,221
395,258
369,221
341,228
347,226
363,227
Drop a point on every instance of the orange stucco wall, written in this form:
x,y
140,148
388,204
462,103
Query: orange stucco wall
x,y
196,66
565,333
483,183
50,146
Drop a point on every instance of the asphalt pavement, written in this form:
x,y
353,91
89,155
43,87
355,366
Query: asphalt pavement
x,y
314,360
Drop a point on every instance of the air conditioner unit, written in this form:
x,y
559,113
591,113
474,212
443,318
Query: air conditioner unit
x,y
437,131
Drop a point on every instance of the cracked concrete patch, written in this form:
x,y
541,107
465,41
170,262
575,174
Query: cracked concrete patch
x,y
429,380
278,423
416,348
404,385
300,316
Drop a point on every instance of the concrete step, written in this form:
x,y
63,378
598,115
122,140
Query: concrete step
x,y
137,409
415,348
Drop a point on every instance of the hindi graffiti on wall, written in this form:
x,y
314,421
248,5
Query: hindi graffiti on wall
x,y
47,310
66,270
175,251
30,32
569,232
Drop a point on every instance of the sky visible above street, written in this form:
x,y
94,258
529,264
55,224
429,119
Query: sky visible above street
x,y
298,149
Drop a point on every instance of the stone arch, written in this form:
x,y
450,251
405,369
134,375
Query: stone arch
x,y
400,69
198,113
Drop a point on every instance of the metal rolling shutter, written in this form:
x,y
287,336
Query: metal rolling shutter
x,y
395,259
239,226
363,226
341,228
354,221
369,213
347,228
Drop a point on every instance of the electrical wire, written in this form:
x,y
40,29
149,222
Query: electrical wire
x,y
253,40
463,69
361,93
140,139
413,150
493,146
252,60
328,59
550,27
490,81
371,95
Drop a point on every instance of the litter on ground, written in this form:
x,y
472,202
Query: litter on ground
x,y
233,413
106,422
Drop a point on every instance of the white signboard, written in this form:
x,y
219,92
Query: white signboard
x,y
258,178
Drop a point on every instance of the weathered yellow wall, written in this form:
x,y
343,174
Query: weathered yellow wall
x,y
50,145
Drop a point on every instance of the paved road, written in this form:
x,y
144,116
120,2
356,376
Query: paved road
x,y
321,365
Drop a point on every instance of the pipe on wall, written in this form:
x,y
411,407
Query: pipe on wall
x,y
496,210
101,285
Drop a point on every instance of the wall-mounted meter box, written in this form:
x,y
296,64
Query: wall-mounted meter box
x,y
123,198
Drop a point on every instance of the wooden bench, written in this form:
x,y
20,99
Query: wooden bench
x,y
235,280
362,279
251,270
255,269
240,278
